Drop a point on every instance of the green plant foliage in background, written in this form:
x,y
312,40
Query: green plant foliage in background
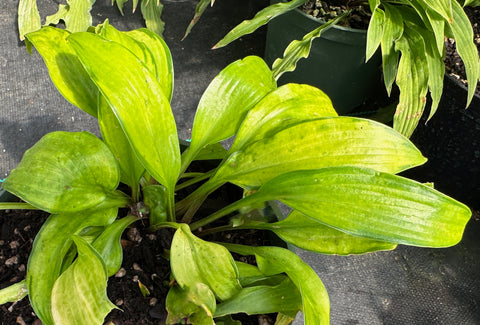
x,y
338,174
411,36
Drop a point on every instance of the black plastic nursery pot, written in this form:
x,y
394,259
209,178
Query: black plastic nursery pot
x,y
336,63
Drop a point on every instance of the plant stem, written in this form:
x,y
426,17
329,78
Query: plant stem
x,y
17,206
171,205
164,225
187,158
195,180
223,212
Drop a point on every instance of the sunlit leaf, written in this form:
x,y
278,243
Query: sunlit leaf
x,y
67,172
28,17
375,32
392,32
196,261
325,142
79,295
364,202
261,18
312,235
14,292
137,100
285,106
66,71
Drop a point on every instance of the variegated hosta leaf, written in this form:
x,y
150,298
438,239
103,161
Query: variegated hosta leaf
x,y
79,295
326,142
313,235
197,304
67,172
276,260
285,106
14,292
138,101
261,18
28,17
48,257
367,203
64,68
196,261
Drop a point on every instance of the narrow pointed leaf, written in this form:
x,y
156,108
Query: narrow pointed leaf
x,y
412,80
108,244
312,235
196,261
297,50
15,292
67,172
260,19
462,30
392,32
152,12
367,203
78,17
283,107
79,295
137,100
227,99
443,7
263,299
375,32
199,10
28,17
50,247
64,68
321,143
275,260
438,26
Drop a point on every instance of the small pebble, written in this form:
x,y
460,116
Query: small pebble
x,y
20,320
135,278
119,302
14,244
11,261
21,268
2,242
137,267
134,235
27,228
153,301
120,273
152,237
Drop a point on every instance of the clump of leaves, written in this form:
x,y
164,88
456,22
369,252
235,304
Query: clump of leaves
x,y
336,173
411,37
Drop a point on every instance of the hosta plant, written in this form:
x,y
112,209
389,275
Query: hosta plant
x,y
338,175
410,34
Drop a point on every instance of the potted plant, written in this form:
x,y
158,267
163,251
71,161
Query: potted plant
x,y
410,35
339,180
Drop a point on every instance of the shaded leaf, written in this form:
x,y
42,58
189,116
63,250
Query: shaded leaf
x,y
261,18
108,244
79,295
151,12
297,50
199,10
392,32
312,235
67,172
196,261
375,32
155,198
275,260
196,303
263,299
50,247
64,68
